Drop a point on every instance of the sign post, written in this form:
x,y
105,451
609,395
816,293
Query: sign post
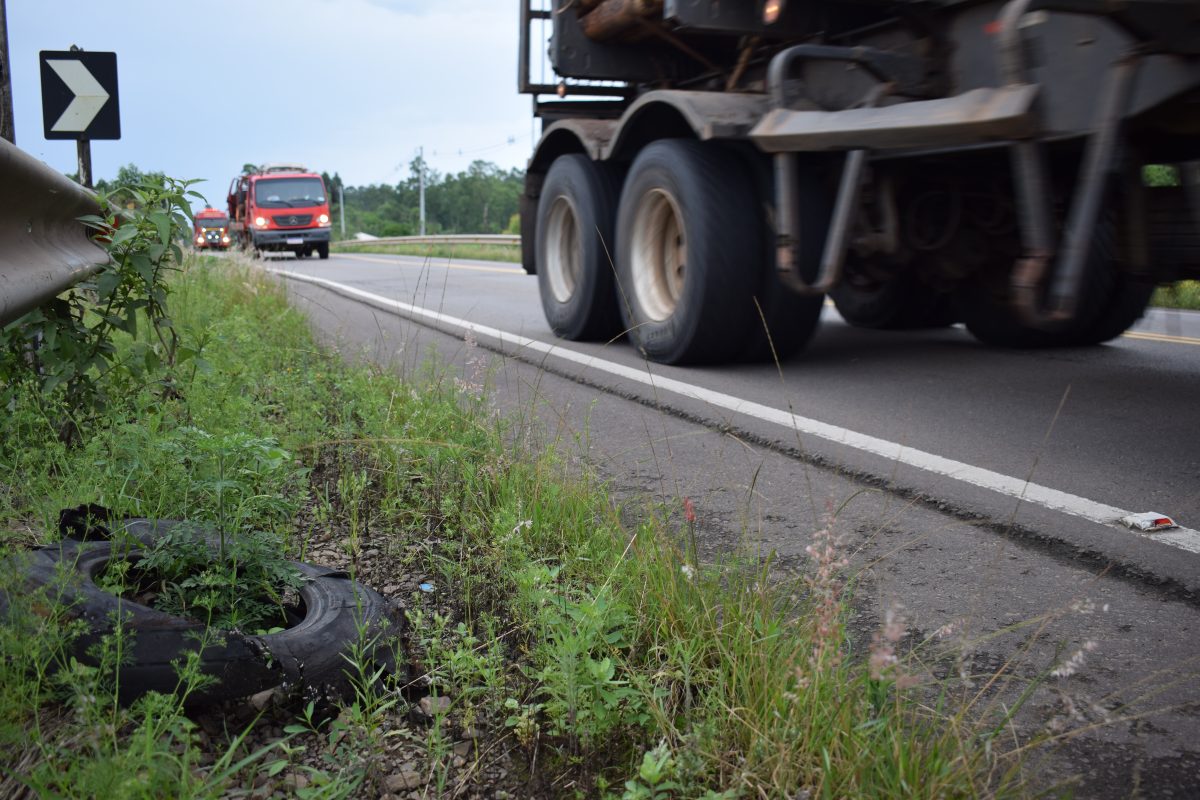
x,y
85,162
79,100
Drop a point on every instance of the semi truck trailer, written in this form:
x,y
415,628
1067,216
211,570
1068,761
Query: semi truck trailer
x,y
710,171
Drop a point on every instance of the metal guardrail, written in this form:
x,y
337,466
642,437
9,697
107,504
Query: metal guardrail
x,y
44,249
499,240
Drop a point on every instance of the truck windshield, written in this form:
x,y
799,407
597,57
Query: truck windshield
x,y
212,222
289,192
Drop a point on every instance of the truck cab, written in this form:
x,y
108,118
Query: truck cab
x,y
210,230
280,208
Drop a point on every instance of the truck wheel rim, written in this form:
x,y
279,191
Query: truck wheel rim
x,y
659,255
564,252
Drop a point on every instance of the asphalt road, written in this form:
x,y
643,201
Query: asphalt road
x,y
1113,427
974,488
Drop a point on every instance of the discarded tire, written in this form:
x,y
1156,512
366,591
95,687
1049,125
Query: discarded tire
x,y
337,615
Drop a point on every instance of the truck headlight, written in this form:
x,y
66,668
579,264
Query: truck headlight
x,y
199,240
323,219
260,222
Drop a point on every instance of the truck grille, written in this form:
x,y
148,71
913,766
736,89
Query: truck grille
x,y
293,220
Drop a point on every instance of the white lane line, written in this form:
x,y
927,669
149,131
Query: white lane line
x,y
1183,538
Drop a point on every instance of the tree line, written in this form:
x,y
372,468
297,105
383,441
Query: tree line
x,y
481,199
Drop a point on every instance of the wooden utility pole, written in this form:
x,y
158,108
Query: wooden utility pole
x,y
7,128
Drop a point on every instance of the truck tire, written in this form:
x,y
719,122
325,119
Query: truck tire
x,y
1112,300
575,245
1126,304
690,246
336,610
900,302
323,250
783,320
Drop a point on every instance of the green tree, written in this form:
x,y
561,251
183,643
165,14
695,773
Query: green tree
x,y
481,199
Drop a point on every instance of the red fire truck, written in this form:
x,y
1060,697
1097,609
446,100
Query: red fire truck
x,y
210,229
280,208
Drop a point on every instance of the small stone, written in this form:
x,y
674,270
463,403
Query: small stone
x,y
405,779
432,706
391,588
458,762
297,780
463,748
262,699
470,733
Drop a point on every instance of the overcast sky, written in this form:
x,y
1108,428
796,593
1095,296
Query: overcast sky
x,y
347,86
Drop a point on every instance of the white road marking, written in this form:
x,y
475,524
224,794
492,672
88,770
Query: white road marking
x,y
1183,538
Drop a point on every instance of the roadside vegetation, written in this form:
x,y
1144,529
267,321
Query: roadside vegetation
x,y
558,645
483,198
1184,294
480,252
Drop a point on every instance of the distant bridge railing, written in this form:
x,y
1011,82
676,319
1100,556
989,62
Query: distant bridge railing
x,y
44,249
496,240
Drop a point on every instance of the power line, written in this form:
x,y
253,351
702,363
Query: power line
x,y
511,140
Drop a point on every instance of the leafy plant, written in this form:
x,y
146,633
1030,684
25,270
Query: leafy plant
x,y
67,345
241,586
233,480
352,486
653,781
586,699
221,567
